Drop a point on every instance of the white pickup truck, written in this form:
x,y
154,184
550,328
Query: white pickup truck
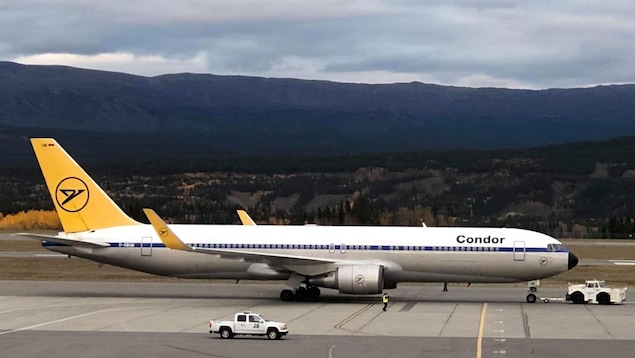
x,y
595,291
248,323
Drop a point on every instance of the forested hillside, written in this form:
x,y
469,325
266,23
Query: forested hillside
x,y
579,190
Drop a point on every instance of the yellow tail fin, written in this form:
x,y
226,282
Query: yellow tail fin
x,y
80,203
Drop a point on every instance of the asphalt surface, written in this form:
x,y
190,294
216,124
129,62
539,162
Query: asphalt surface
x,y
583,262
107,319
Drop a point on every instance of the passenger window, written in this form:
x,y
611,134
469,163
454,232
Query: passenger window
x,y
242,318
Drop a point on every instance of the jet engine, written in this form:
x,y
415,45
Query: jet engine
x,y
357,279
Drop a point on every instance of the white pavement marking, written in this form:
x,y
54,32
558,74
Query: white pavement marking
x,y
57,321
331,351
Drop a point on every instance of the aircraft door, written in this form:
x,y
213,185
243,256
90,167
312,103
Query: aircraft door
x,y
519,251
146,246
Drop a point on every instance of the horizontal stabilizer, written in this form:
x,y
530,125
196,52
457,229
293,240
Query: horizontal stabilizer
x,y
64,241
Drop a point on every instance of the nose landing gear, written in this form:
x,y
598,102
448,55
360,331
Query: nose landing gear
x,y
533,289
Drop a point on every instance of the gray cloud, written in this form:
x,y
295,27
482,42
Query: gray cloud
x,y
534,44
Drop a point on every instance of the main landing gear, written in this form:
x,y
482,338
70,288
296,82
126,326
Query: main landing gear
x,y
533,289
301,294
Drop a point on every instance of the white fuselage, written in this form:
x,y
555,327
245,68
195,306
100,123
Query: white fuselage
x,y
408,254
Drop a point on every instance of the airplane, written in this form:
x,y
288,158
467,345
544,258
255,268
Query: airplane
x,y
357,260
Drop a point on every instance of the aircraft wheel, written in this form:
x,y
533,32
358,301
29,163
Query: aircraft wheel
x,y
301,294
313,292
287,295
531,298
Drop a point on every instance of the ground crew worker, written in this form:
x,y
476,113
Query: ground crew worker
x,y
384,299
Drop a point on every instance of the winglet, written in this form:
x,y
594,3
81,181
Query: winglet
x,y
245,218
166,235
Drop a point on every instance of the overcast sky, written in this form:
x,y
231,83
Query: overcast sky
x,y
500,43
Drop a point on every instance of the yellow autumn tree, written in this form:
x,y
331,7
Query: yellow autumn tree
x,y
31,219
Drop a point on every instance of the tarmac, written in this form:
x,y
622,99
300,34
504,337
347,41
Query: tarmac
x,y
169,319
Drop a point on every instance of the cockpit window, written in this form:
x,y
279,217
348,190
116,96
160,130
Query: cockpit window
x,y
556,247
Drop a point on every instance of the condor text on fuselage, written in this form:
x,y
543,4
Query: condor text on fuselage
x,y
462,239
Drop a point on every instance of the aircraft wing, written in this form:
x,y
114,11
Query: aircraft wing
x,y
172,241
64,241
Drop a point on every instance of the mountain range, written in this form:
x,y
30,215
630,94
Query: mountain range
x,y
253,115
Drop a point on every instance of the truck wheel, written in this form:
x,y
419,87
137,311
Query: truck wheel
x,y
531,298
603,298
577,297
226,333
273,334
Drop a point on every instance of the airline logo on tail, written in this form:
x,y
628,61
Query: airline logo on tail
x,y
72,194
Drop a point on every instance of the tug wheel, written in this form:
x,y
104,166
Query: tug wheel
x,y
603,298
577,297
